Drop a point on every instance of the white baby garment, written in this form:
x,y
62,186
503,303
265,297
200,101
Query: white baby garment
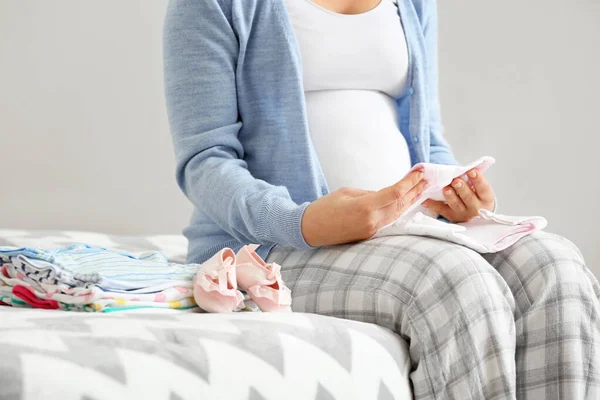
x,y
487,233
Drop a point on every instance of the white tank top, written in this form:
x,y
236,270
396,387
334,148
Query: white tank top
x,y
354,66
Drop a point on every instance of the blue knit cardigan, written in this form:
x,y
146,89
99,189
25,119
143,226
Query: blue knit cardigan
x,y
235,100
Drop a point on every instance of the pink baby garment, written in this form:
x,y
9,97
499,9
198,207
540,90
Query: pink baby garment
x,y
487,233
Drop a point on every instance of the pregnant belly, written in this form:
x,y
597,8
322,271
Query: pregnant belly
x,y
357,139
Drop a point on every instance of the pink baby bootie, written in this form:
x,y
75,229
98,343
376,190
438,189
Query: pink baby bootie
x,y
262,281
215,284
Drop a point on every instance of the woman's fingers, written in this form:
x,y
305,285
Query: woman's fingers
x,y
393,211
466,194
453,200
395,193
386,205
482,187
439,207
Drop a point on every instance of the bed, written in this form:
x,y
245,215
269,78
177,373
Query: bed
x,y
170,354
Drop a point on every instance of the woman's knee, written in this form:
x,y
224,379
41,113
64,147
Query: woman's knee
x,y
547,270
547,248
545,262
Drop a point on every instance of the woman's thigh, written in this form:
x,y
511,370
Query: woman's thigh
x,y
388,279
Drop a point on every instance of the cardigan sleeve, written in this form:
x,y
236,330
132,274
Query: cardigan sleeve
x,y
440,150
200,57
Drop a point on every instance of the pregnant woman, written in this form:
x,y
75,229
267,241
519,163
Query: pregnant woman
x,y
294,124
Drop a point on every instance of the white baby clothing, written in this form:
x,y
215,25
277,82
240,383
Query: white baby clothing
x,y
487,233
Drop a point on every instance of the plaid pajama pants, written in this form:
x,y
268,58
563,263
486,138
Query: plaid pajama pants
x,y
521,323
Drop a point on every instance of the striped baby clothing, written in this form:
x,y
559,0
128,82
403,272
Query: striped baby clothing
x,y
86,278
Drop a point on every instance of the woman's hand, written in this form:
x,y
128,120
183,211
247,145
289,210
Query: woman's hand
x,y
349,214
464,202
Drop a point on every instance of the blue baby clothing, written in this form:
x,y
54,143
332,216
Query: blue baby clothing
x,y
81,265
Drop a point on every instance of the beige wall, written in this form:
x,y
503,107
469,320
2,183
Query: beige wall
x,y
85,142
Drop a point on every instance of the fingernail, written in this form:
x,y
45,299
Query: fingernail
x,y
420,175
458,184
448,191
425,205
473,174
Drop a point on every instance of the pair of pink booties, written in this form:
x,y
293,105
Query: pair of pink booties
x,y
217,281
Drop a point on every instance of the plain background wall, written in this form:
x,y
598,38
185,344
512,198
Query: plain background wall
x,y
85,142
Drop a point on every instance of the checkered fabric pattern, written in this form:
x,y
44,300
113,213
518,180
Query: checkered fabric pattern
x,y
521,323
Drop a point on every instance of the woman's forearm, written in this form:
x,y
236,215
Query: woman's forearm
x,y
200,59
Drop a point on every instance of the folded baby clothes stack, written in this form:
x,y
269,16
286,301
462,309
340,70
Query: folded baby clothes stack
x,y
488,233
86,278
